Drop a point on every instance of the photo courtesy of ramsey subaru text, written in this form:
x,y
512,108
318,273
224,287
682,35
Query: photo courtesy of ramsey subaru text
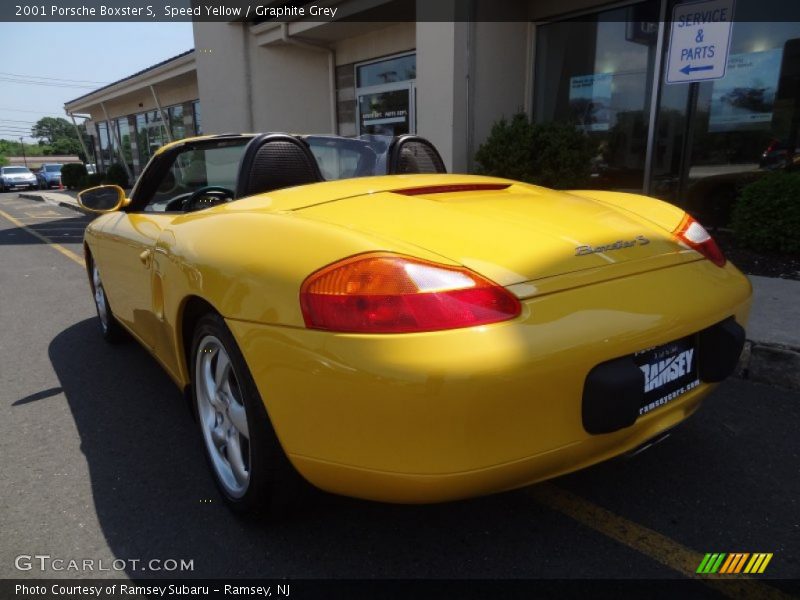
x,y
345,309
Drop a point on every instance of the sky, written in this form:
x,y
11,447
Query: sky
x,y
85,52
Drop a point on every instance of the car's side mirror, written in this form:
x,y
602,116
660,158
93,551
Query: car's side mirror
x,y
102,199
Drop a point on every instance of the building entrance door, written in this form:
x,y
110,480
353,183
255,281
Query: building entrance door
x,y
386,96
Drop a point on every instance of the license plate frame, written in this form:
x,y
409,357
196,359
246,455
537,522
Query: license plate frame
x,y
670,370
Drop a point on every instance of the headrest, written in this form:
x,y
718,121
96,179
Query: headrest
x,y
413,154
274,161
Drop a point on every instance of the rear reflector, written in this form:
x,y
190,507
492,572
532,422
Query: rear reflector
x,y
453,187
696,237
388,293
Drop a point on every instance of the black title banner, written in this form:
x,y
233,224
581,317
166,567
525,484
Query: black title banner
x,y
324,11
383,589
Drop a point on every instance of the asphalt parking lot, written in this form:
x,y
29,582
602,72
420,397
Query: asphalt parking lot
x,y
101,460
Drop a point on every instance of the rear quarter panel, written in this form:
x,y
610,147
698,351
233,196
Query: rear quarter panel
x,y
249,266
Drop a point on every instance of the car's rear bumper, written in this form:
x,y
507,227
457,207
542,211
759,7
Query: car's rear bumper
x,y
444,415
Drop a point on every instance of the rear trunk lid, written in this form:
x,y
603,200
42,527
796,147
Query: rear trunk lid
x,y
517,233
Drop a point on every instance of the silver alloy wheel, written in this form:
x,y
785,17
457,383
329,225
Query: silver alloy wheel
x,y
222,415
100,298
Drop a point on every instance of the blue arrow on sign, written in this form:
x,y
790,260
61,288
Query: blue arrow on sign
x,y
689,68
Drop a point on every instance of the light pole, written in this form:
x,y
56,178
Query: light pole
x,y
24,159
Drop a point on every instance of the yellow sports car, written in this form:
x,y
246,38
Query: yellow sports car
x,y
345,308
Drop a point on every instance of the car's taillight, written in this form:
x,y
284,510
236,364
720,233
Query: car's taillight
x,y
696,237
388,293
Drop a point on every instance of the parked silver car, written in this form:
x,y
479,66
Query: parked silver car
x,y
16,177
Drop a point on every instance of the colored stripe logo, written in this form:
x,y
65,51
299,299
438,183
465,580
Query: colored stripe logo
x,y
736,562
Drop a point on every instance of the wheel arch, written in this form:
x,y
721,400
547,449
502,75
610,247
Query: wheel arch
x,y
88,261
191,311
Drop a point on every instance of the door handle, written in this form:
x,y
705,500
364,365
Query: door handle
x,y
146,256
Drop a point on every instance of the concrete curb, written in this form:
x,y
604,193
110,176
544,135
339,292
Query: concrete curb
x,y
774,364
41,198
763,362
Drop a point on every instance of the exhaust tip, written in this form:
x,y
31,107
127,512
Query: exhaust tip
x,y
648,444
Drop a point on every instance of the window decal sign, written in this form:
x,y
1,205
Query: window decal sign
x,y
590,101
699,41
745,98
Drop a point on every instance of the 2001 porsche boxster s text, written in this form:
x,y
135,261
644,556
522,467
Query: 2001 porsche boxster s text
x,y
345,308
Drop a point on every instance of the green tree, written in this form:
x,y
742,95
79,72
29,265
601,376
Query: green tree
x,y
67,146
58,136
52,129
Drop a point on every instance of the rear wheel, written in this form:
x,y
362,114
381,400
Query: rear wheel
x,y
109,326
248,463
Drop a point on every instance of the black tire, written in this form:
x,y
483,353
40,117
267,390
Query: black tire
x,y
111,330
272,481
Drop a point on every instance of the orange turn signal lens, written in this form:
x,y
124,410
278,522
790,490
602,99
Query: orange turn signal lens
x,y
390,293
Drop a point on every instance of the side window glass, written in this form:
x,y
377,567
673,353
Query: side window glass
x,y
194,172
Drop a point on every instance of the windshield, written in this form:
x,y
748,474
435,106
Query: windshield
x,y
12,170
52,168
343,158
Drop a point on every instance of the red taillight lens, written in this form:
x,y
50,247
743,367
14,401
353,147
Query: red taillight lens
x,y
696,237
389,293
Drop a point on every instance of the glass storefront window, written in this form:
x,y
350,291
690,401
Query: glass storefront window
x,y
156,134
105,144
150,135
714,137
142,145
198,127
401,68
123,131
597,72
176,126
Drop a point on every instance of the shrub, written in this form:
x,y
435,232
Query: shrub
x,y
767,214
507,150
552,154
116,175
91,180
72,175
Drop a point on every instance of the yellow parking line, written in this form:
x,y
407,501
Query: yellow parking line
x,y
58,247
648,542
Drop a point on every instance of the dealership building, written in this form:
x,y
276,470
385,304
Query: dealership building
x,y
131,118
385,69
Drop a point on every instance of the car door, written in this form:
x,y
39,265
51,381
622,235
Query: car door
x,y
130,237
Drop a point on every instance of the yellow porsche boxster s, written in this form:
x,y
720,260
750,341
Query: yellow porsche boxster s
x,y
346,309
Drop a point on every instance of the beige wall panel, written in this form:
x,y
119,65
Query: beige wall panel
x,y
500,64
221,76
291,90
381,42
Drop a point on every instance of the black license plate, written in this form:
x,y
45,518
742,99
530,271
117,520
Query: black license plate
x,y
669,371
